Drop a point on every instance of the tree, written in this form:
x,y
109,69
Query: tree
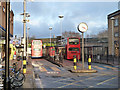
x,y
70,34
31,38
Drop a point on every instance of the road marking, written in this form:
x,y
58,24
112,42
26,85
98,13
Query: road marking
x,y
98,67
106,81
111,67
62,79
54,68
34,64
42,69
77,82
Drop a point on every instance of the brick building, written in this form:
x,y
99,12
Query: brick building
x,y
114,33
3,25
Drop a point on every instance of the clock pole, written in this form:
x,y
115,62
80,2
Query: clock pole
x,y
82,27
82,50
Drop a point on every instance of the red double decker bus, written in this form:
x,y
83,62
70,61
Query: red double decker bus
x,y
36,49
72,47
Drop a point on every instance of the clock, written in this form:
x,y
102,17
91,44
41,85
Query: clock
x,y
82,27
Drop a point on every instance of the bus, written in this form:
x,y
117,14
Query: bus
x,y
36,49
72,47
52,51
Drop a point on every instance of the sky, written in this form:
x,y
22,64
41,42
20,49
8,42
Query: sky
x,y
45,14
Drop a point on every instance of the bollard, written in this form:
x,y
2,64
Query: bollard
x,y
24,64
89,63
75,62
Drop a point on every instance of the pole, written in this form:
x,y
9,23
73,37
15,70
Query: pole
x,y
112,37
61,31
61,41
75,62
7,38
82,51
24,26
89,63
50,37
27,41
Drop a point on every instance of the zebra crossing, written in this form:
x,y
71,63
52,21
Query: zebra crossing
x,y
105,67
45,68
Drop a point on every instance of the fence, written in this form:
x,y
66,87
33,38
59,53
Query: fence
x,y
100,58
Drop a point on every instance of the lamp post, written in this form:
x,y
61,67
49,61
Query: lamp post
x,y
28,28
24,34
61,16
50,28
113,35
7,38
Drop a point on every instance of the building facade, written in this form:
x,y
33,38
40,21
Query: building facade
x,y
114,33
2,27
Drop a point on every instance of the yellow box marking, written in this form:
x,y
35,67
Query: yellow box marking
x,y
106,80
98,67
42,69
110,67
55,68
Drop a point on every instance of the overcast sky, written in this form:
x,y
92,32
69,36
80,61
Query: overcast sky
x,y
45,15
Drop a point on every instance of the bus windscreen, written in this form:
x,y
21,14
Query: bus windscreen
x,y
73,41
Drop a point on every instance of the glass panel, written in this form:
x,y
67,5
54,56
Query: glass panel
x,y
73,41
116,22
116,34
73,49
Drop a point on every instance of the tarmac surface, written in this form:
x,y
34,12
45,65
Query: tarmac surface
x,y
44,74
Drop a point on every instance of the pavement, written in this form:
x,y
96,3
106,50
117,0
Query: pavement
x,y
29,80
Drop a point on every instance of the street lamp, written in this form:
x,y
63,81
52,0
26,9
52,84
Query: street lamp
x,y
112,35
24,27
28,28
50,28
61,16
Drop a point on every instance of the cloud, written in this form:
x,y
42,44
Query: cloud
x,y
45,15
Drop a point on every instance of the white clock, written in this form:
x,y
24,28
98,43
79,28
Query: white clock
x,y
82,27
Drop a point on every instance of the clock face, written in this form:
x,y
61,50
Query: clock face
x,y
82,27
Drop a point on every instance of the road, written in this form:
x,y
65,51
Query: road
x,y
48,75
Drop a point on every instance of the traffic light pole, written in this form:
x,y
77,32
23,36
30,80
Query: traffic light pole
x,y
7,38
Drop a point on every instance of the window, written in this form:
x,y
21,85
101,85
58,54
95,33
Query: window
x,y
0,3
115,42
73,49
73,41
116,22
3,9
116,34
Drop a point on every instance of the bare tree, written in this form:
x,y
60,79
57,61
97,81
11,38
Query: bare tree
x,y
31,38
70,34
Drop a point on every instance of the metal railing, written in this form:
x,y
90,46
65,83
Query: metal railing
x,y
105,59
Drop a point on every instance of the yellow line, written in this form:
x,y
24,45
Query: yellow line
x,y
106,81
76,82
42,69
110,67
61,80
54,68
98,67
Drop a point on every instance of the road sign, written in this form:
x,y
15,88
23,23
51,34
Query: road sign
x,y
82,27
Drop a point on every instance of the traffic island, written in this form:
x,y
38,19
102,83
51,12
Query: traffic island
x,y
83,71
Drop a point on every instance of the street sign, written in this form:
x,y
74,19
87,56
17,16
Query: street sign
x,y
82,27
